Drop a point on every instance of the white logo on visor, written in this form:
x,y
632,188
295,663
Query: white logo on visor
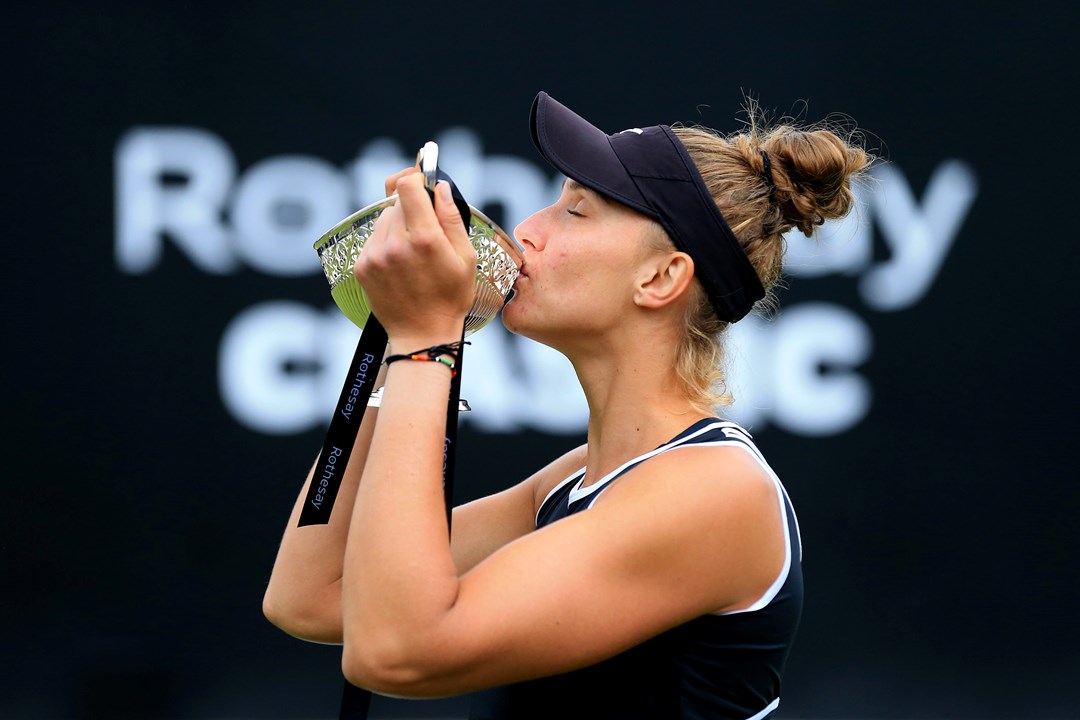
x,y
633,130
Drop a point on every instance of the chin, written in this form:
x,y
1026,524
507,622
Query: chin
x,y
515,318
511,315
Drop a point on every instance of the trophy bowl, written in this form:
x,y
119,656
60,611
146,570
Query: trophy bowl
x,y
498,258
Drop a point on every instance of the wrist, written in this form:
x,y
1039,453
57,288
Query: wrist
x,y
419,343
445,354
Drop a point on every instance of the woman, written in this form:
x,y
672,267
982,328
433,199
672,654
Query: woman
x,y
652,572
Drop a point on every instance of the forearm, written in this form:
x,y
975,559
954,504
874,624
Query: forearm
x,y
303,596
400,578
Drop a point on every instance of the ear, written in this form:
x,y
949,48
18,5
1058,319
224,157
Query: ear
x,y
663,278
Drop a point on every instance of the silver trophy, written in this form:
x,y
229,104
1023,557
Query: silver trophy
x,y
498,258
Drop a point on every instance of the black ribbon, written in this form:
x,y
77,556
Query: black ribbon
x,y
355,703
459,199
344,425
450,448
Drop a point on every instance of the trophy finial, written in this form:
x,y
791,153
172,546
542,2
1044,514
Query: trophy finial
x,y
429,164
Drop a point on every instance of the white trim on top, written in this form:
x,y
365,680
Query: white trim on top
x,y
576,475
768,709
579,492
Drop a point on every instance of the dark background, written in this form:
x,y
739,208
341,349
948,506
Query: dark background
x,y
141,518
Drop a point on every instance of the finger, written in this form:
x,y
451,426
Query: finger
x,y
388,223
375,247
391,182
450,219
415,206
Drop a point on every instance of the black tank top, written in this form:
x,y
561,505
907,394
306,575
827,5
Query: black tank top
x,y
715,667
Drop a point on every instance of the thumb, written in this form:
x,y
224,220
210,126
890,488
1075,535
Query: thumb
x,y
450,219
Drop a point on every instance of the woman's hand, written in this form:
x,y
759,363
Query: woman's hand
x,y
418,268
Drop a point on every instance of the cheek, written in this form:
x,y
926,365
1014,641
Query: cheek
x,y
572,269
561,260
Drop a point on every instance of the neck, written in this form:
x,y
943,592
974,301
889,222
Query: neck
x,y
636,401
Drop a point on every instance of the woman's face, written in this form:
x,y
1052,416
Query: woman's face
x,y
582,256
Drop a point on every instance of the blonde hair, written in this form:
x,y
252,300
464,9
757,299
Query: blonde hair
x,y
810,181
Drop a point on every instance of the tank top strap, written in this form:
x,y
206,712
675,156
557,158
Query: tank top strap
x,y
570,496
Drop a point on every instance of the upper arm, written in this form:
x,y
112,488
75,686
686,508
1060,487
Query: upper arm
x,y
688,533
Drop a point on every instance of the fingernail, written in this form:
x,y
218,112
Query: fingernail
x,y
443,188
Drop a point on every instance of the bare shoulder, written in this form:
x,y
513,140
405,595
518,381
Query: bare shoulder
x,y
706,471
702,487
701,472
713,511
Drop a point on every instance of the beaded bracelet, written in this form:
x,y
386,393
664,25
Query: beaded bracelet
x,y
434,354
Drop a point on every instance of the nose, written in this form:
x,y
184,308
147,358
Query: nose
x,y
530,231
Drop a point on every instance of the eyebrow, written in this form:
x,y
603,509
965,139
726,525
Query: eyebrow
x,y
573,185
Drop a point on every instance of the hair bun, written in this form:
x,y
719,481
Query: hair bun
x,y
812,172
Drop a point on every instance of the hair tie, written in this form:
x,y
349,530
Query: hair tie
x,y
766,174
